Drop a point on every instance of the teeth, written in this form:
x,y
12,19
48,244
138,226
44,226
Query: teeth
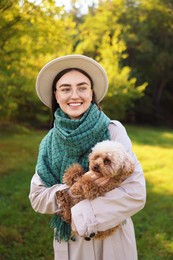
x,y
74,104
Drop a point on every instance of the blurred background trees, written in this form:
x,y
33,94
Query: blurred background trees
x,y
133,40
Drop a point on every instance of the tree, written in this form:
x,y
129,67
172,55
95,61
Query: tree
x,y
146,29
132,39
148,33
31,35
99,37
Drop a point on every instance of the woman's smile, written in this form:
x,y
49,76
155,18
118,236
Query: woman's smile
x,y
75,104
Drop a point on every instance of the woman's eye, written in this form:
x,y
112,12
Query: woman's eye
x,y
82,89
65,90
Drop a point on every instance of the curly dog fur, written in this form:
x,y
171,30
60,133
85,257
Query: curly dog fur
x,y
108,159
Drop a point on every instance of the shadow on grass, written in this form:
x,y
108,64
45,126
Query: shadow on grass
x,y
151,136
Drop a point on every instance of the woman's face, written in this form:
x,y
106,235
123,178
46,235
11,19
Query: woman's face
x,y
74,94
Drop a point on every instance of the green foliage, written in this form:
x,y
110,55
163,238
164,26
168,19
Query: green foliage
x,y
123,90
109,49
25,234
30,36
137,35
133,40
148,33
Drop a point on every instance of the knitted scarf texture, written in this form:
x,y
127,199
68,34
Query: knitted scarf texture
x,y
69,141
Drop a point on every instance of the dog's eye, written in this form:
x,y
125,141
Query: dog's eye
x,y
107,161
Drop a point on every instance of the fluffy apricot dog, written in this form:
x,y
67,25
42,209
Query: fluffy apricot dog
x,y
108,158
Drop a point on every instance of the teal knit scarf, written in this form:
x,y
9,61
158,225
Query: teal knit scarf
x,y
68,142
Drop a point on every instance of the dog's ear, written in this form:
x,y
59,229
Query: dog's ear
x,y
128,165
89,156
92,154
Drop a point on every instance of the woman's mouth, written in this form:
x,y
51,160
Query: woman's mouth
x,y
75,104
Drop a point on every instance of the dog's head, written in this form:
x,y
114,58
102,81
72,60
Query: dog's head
x,y
109,158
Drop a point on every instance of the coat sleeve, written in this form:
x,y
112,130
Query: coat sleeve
x,y
42,198
117,205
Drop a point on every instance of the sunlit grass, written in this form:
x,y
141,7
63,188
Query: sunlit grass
x,y
25,234
154,149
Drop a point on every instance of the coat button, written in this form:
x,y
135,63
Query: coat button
x,y
87,238
92,235
73,238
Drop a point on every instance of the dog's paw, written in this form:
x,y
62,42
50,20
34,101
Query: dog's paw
x,y
63,200
73,173
76,190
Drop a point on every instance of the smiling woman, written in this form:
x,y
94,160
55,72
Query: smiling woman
x,y
72,87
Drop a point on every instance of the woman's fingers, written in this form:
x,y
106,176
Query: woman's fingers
x,y
100,181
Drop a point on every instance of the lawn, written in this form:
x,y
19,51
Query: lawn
x,y
154,232
26,235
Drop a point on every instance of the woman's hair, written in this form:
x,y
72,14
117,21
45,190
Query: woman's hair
x,y
54,104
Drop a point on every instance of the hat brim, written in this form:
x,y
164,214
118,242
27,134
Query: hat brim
x,y
51,69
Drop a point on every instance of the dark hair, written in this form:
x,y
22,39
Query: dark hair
x,y
54,104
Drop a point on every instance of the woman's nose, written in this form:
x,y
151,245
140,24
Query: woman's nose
x,y
74,93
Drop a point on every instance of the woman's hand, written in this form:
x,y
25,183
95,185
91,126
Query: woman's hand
x,y
100,181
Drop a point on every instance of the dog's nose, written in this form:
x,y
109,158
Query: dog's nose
x,y
96,167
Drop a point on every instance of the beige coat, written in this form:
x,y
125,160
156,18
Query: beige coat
x,y
100,214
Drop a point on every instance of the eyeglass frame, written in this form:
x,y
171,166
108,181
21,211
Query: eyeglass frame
x,y
80,90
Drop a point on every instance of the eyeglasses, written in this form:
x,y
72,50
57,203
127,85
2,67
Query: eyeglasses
x,y
66,92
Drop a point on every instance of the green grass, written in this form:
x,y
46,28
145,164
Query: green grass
x,y
153,225
26,235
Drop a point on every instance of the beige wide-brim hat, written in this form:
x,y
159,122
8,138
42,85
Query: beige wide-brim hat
x,y
51,69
